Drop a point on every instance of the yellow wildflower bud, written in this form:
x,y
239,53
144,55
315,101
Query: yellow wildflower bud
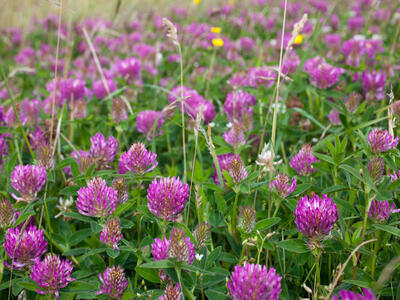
x,y
218,42
299,39
216,29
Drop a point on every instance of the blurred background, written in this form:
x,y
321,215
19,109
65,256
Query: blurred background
x,y
19,12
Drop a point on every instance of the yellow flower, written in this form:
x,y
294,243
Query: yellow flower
x,y
197,2
299,39
217,42
231,2
215,29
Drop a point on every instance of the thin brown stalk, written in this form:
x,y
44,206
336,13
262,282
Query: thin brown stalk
x,y
183,116
273,135
335,282
96,61
53,101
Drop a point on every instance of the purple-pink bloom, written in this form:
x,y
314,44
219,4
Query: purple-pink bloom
x,y
193,102
236,170
167,197
262,76
380,140
325,75
239,80
353,51
224,161
97,199
355,23
380,211
290,64
3,147
36,138
373,85
282,185
172,292
239,106
111,233
301,162
113,282
235,136
100,89
254,282
84,160
145,123
103,150
395,176
247,44
52,274
72,89
177,246
159,249
130,70
180,246
24,249
28,180
315,216
350,295
334,117
313,63
138,160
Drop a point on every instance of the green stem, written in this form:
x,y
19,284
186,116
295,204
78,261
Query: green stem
x,y
47,214
18,153
243,251
139,219
139,224
178,272
367,207
277,208
322,110
233,221
318,274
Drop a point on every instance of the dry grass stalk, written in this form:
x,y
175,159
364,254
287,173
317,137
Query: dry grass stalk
x,y
335,282
297,29
172,34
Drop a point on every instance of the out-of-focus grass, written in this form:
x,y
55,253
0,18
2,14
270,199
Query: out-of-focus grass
x,y
20,12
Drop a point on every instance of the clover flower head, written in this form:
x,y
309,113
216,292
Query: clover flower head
x,y
315,216
28,180
24,248
113,282
138,160
96,199
253,282
52,274
380,140
167,197
111,233
282,185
